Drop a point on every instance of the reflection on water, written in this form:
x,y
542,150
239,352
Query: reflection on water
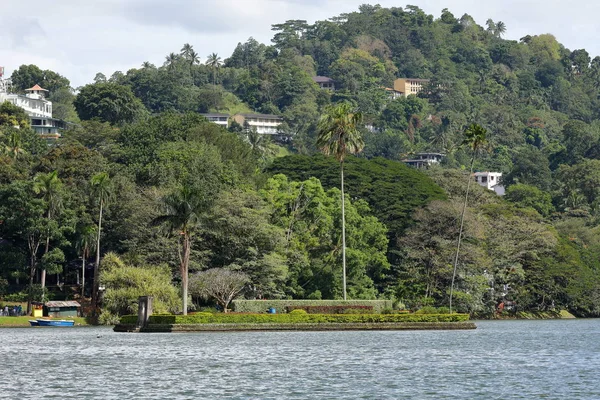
x,y
499,360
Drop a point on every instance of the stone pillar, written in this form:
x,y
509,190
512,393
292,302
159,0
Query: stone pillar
x,y
144,310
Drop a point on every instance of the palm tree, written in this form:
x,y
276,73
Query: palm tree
x,y
475,139
186,50
86,243
500,28
50,187
183,211
101,192
14,144
214,62
147,65
193,58
337,134
171,60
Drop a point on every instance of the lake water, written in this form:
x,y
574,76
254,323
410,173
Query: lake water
x,y
499,360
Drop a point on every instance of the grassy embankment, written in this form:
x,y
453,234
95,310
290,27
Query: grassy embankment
x,y
24,321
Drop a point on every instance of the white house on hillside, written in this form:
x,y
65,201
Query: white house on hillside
x,y
491,181
263,123
36,105
424,160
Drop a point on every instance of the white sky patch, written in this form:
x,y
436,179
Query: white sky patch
x,y
80,38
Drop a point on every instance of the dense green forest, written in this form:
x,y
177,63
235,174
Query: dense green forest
x,y
162,185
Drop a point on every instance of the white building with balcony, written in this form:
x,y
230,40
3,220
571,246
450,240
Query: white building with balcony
x,y
424,160
219,119
491,181
265,124
36,105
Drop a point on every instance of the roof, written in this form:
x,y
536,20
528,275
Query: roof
x,y
214,115
36,87
265,116
416,79
62,304
486,173
322,79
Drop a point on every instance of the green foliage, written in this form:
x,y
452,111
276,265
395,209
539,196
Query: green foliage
x,y
261,306
108,102
126,283
303,318
392,190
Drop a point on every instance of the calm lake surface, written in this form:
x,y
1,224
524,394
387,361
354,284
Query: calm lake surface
x,y
499,360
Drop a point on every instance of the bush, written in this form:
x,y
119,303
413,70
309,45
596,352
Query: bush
x,y
107,318
298,311
230,318
260,306
433,310
333,309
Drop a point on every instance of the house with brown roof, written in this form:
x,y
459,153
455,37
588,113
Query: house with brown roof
x,y
324,82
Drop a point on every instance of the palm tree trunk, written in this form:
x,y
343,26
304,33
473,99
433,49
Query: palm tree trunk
x,y
343,230
184,270
97,266
462,221
43,279
83,275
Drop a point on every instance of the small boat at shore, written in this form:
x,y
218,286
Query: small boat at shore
x,y
51,322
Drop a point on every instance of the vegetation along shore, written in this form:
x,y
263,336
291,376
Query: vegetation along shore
x,y
380,154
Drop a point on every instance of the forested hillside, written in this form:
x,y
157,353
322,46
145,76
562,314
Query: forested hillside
x,y
167,183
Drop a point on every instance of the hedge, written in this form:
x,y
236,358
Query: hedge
x,y
332,309
261,306
207,318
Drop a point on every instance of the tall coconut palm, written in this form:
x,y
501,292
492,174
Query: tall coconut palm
x,y
193,58
183,213
171,60
475,139
186,50
101,192
85,244
338,134
214,62
500,28
50,187
14,144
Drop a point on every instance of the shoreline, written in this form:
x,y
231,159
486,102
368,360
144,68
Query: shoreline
x,y
310,327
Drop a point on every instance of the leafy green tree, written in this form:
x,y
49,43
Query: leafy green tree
x,y
27,76
13,116
475,139
530,196
184,208
338,135
125,283
108,102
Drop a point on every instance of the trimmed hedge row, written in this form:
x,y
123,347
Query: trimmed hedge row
x,y
208,318
261,306
332,309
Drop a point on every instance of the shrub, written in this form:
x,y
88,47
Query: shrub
x,y
221,318
260,306
427,310
298,311
352,309
107,318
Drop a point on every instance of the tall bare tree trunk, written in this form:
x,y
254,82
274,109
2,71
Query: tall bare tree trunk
x,y
343,230
83,275
184,270
97,266
43,278
462,222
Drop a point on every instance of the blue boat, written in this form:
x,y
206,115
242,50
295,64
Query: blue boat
x,y
34,322
53,322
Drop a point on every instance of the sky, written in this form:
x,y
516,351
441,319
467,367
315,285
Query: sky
x,y
79,38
